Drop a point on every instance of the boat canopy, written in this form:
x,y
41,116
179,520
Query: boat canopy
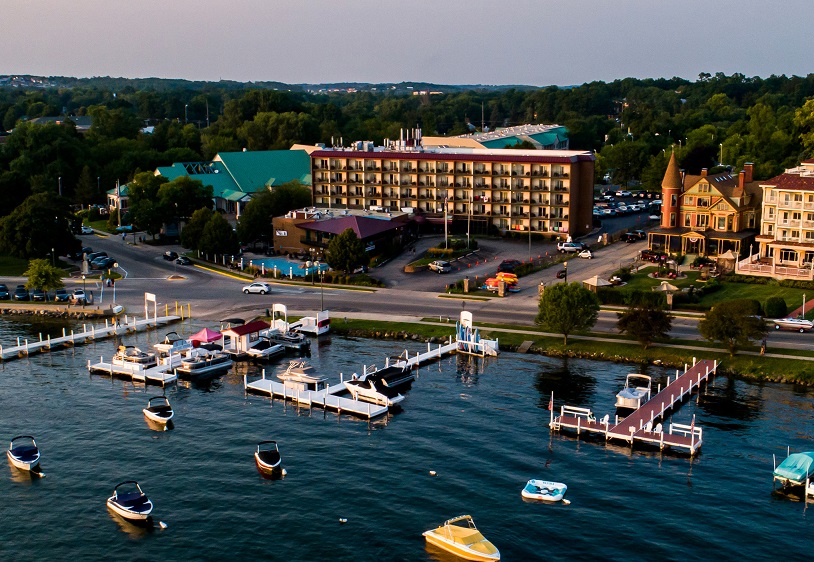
x,y
797,467
206,336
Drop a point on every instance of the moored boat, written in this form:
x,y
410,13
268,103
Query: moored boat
x,y
131,355
544,490
460,537
158,410
300,375
267,458
129,501
382,386
291,341
265,350
23,452
201,361
796,470
635,393
172,344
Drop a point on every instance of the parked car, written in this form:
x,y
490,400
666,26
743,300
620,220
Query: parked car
x,y
38,295
169,255
86,229
640,233
440,266
797,324
102,263
571,247
652,256
586,254
630,237
93,255
508,266
257,287
183,260
21,294
4,292
62,295
79,296
623,193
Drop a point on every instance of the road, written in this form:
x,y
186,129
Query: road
x,y
215,297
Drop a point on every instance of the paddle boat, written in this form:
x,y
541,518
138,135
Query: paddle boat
x,y
460,537
265,350
131,355
544,490
300,376
267,458
636,392
130,502
23,452
158,410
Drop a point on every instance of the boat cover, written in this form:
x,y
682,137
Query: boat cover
x,y
206,336
796,467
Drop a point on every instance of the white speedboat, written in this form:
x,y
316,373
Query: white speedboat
x,y
173,344
636,392
291,341
200,361
300,375
798,324
265,350
544,490
267,458
460,537
130,355
130,502
23,452
158,410
382,386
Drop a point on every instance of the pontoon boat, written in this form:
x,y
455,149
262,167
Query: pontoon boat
x,y
636,392
291,341
129,501
173,344
300,376
158,410
265,350
267,458
23,452
460,537
131,355
201,361
544,490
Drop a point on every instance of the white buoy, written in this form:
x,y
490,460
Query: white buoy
x,y
433,473
284,472
343,520
162,525
566,502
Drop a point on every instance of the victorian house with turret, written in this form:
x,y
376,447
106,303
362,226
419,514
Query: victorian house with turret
x,y
707,214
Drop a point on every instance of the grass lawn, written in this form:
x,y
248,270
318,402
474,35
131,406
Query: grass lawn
x,y
101,225
12,266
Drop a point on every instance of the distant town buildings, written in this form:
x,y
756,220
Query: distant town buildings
x,y
482,190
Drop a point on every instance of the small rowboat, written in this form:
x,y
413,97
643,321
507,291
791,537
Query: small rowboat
x,y
544,490
460,537
158,410
23,452
130,502
267,458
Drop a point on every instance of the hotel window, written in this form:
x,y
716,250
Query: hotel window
x,y
688,200
795,216
788,255
809,198
702,221
721,223
798,196
810,217
672,218
786,197
687,220
674,200
809,236
769,228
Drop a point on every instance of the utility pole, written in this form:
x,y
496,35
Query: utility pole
x,y
446,200
118,202
60,186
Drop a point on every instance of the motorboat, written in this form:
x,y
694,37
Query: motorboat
x,y
796,470
130,355
158,410
636,392
265,350
291,341
300,375
172,344
460,537
382,386
201,361
544,490
130,502
23,452
267,458
797,324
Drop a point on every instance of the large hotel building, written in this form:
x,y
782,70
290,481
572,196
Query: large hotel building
x,y
534,191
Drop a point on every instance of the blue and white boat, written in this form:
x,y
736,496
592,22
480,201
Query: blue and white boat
x,y
23,452
796,470
544,490
129,501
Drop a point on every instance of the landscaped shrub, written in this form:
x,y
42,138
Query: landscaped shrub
x,y
776,307
623,274
610,295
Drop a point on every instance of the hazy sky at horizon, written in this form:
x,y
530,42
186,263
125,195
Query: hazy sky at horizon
x,y
535,42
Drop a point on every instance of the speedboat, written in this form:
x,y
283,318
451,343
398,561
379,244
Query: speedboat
x,y
23,452
265,349
460,537
173,344
158,410
798,324
267,458
544,490
291,341
382,386
636,392
200,361
796,470
131,355
300,376
130,502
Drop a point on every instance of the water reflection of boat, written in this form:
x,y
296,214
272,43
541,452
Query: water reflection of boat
x,y
460,537
23,453
135,529
129,501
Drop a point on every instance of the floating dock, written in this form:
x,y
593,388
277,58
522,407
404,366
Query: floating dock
x,y
638,426
161,374
89,333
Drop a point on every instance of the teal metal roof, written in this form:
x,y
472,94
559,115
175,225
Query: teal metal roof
x,y
501,143
232,195
123,189
548,138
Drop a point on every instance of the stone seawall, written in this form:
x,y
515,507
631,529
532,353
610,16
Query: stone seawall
x,y
57,310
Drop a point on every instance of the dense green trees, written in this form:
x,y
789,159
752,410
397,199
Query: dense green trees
x,y
346,252
734,324
645,323
38,225
42,275
567,308
255,221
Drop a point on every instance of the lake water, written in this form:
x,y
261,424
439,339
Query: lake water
x,y
482,426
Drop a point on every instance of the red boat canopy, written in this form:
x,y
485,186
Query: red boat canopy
x,y
206,336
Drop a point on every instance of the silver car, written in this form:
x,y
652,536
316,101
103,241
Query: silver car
x,y
257,287
440,266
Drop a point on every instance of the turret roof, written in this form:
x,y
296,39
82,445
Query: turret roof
x,y
672,177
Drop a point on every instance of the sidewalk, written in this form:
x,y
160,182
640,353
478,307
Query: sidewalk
x,y
809,306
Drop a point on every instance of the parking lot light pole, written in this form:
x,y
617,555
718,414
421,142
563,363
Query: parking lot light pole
x,y
565,268
84,294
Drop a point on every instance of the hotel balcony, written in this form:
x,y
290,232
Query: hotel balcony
x,y
767,267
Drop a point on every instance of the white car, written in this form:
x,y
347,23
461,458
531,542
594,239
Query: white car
x,y
257,287
440,266
86,229
585,254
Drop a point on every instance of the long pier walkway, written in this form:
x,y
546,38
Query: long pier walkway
x,y
88,334
638,426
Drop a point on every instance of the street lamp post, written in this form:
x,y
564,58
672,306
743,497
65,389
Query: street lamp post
x,y
565,268
721,161
321,286
84,294
185,113
53,258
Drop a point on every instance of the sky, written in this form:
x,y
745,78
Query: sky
x,y
533,42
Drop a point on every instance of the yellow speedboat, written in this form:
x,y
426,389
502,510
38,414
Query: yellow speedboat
x,y
460,537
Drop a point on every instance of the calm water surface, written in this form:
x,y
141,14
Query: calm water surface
x,y
481,425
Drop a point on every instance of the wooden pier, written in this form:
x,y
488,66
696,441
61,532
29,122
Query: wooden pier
x,y
639,426
88,334
161,374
